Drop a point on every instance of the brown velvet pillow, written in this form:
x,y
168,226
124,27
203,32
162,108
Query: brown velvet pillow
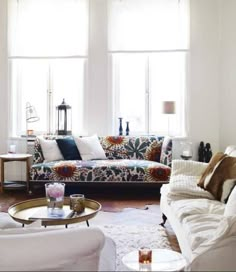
x,y
220,177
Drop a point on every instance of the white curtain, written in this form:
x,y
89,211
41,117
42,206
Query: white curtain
x,y
48,28
148,24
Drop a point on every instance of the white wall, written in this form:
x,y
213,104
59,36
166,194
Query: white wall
x,y
209,114
203,115
227,105
3,77
98,115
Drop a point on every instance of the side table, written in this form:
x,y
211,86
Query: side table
x,y
11,158
162,260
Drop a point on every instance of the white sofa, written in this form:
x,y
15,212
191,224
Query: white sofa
x,y
54,249
205,232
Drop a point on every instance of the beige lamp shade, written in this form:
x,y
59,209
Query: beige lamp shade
x,y
168,107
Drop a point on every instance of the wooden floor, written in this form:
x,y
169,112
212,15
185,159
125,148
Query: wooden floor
x,y
113,201
109,200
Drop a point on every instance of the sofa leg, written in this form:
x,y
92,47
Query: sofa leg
x,y
164,218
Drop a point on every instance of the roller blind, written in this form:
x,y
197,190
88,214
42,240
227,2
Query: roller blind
x,y
147,25
48,28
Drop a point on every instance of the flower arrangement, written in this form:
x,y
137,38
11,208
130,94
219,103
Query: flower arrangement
x,y
55,190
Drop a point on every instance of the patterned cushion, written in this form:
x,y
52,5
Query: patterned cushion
x,y
166,152
139,148
101,170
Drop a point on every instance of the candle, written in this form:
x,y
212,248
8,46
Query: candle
x,y
145,255
186,153
12,149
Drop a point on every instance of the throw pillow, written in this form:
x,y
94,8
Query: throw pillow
x,y
50,149
166,151
230,207
222,179
68,148
208,171
90,148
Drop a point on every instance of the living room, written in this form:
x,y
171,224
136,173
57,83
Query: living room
x,y
204,104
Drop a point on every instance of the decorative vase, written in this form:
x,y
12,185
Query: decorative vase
x,y
127,128
120,127
55,198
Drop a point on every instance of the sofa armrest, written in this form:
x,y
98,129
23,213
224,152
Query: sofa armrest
x,y
59,249
187,168
208,256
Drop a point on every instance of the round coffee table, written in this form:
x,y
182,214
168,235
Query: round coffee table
x,y
162,260
24,212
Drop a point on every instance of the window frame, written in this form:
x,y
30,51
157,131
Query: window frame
x,y
116,92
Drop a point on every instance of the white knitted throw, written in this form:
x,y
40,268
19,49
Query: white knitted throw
x,y
184,178
187,168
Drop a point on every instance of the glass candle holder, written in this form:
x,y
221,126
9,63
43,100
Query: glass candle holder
x,y
12,149
145,255
77,203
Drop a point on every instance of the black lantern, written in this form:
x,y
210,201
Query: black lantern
x,y
64,119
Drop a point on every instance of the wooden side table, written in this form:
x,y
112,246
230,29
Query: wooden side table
x,y
15,157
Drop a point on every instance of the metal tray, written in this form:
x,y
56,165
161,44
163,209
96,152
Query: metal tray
x,y
22,211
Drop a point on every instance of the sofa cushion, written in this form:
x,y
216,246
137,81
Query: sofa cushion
x,y
68,148
90,148
101,170
198,218
136,148
200,228
166,151
220,181
50,149
230,207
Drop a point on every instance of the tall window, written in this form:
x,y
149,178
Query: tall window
x,y
48,41
148,43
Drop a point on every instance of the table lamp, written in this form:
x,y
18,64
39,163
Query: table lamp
x,y
31,117
168,107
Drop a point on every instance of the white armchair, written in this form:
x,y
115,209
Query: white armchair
x,y
72,249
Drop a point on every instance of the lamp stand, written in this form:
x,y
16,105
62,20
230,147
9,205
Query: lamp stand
x,y
168,125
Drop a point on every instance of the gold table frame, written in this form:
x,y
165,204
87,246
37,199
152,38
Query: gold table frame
x,y
22,211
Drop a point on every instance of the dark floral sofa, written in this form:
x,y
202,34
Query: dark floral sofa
x,y
129,159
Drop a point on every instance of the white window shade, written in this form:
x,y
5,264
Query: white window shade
x,y
48,28
148,25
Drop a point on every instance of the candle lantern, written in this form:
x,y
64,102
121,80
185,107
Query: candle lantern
x,y
64,119
187,151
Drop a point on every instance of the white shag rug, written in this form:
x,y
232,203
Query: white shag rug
x,y
132,228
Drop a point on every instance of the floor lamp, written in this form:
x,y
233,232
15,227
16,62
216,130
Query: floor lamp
x,y
168,107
